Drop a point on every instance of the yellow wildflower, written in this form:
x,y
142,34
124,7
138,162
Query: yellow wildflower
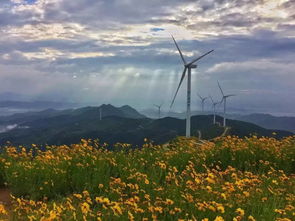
x,y
247,194
218,218
223,196
117,209
79,196
220,208
2,210
240,211
146,181
85,208
169,202
130,216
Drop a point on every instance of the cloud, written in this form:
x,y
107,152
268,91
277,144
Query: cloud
x,y
80,49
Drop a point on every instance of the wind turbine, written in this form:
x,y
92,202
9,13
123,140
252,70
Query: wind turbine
x,y
214,109
203,99
224,97
159,109
100,113
187,67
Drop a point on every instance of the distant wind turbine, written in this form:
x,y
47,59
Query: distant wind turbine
x,y
100,113
224,97
203,99
159,109
214,108
187,67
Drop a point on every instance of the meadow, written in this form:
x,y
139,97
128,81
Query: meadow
x,y
227,178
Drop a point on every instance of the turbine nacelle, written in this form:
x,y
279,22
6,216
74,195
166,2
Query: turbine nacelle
x,y
213,103
202,98
230,95
192,66
158,106
223,95
227,96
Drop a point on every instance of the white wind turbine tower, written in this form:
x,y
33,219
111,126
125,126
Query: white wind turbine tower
x,y
203,99
159,109
224,97
187,67
214,109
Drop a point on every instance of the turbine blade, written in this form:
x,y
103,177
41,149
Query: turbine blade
x,y
182,58
200,57
199,96
230,95
182,77
211,99
220,89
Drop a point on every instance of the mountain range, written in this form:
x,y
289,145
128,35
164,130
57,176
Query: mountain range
x,y
264,120
270,122
118,124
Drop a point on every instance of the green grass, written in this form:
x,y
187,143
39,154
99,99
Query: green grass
x,y
254,174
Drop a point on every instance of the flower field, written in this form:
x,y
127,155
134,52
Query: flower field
x,y
226,179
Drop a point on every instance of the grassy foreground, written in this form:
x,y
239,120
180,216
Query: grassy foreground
x,y
226,179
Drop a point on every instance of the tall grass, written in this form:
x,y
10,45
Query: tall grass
x,y
228,178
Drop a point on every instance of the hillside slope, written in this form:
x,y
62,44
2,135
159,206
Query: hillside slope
x,y
70,128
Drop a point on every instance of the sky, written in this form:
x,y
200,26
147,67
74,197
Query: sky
x,y
121,51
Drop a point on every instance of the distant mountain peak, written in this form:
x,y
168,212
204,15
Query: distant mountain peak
x,y
131,112
107,105
126,106
108,110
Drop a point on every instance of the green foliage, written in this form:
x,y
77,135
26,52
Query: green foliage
x,y
185,179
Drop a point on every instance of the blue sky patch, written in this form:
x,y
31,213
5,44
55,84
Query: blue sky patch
x,y
157,29
30,1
